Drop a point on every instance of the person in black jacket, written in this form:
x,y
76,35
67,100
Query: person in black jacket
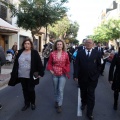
x,y
101,50
87,70
114,77
2,58
27,70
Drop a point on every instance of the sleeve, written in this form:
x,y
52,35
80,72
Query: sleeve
x,y
39,65
76,66
99,64
111,69
67,64
50,63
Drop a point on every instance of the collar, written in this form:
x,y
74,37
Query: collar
x,y
88,50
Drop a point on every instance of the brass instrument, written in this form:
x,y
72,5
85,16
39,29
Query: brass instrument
x,y
48,49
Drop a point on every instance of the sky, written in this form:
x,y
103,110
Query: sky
x,y
86,13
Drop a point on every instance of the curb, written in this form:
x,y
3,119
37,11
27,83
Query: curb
x,y
4,82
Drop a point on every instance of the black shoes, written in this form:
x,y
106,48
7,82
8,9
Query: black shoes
x,y
59,109
33,106
25,107
90,117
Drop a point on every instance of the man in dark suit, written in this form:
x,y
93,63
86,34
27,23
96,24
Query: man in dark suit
x,y
87,70
82,47
101,50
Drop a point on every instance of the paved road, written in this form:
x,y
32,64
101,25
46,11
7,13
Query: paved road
x,y
12,101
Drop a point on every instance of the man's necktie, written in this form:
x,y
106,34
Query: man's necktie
x,y
88,54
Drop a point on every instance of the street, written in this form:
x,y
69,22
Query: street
x,y
12,100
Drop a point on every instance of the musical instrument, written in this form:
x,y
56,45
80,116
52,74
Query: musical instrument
x,y
46,52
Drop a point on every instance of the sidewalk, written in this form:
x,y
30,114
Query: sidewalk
x,y
5,73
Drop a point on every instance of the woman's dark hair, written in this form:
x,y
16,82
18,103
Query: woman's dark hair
x,y
27,39
55,45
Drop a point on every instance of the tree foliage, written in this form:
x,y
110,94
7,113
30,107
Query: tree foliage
x,y
108,30
72,30
39,13
59,29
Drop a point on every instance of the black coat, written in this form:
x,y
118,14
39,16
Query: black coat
x,y
114,72
36,66
80,48
87,67
2,56
101,52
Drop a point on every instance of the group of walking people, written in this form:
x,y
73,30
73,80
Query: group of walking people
x,y
28,69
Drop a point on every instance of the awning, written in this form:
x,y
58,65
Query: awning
x,y
5,27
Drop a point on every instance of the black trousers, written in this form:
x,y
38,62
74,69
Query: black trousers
x,y
28,91
87,89
45,62
103,66
0,69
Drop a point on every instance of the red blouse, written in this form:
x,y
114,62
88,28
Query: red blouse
x,y
60,65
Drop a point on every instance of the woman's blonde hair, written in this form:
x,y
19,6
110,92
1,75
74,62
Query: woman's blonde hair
x,y
55,45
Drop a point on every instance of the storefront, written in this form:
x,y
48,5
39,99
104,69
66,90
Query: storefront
x,y
6,30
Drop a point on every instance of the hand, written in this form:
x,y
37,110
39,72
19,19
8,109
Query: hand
x,y
52,72
39,76
76,79
110,82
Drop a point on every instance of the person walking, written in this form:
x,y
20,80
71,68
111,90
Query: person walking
x,y
101,50
114,78
14,47
2,58
87,70
27,70
2,62
59,66
48,48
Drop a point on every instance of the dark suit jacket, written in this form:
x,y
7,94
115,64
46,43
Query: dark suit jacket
x,y
87,67
101,52
114,72
36,66
80,48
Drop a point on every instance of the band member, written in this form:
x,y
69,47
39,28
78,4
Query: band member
x,y
101,50
48,48
87,70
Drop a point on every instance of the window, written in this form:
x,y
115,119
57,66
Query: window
x,y
3,12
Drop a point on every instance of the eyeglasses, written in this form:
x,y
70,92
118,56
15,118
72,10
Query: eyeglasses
x,y
89,43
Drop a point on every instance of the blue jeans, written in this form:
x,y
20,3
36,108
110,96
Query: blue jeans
x,y
59,84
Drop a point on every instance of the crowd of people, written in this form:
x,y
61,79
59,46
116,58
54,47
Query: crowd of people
x,y
88,63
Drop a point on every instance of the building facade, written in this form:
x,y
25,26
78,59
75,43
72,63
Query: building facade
x,y
12,33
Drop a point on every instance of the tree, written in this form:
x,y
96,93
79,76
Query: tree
x,y
72,30
38,13
108,30
60,27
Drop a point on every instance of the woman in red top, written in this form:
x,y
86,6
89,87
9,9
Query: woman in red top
x,y
59,66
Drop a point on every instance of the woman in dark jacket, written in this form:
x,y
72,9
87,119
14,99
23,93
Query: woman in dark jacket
x,y
27,70
114,77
